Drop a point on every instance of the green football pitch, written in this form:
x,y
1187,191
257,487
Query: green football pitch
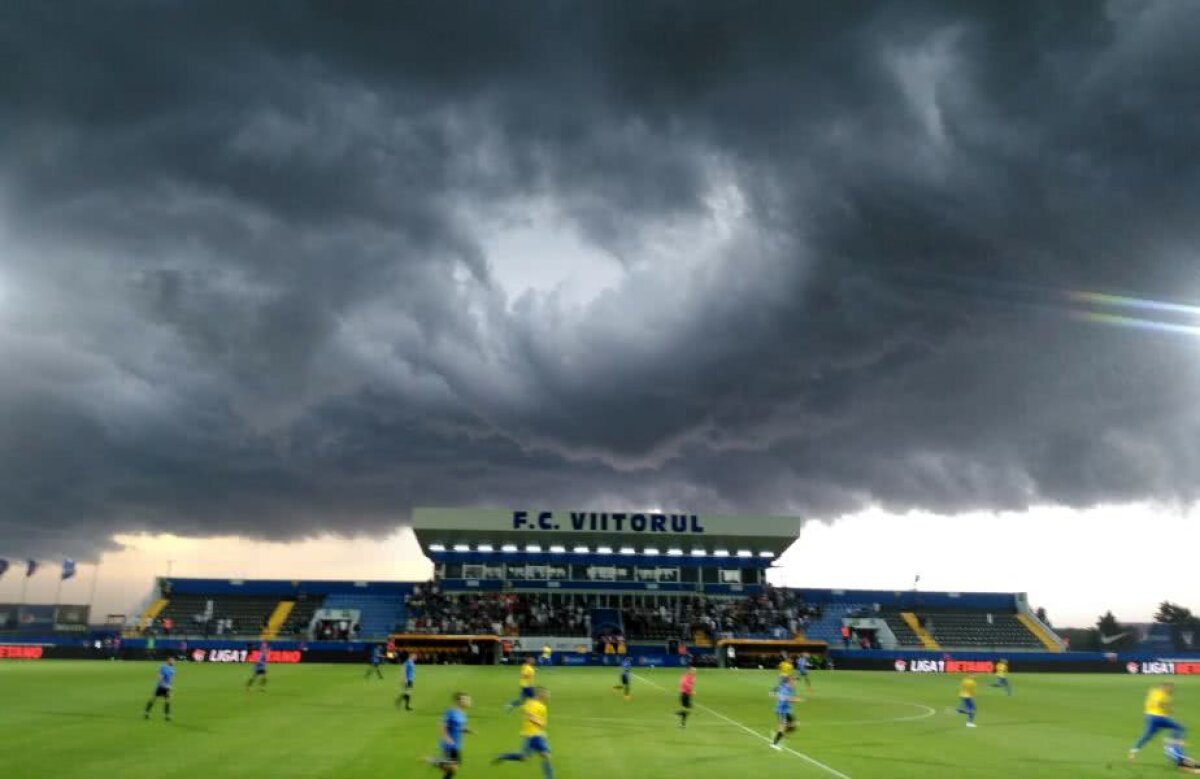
x,y
84,719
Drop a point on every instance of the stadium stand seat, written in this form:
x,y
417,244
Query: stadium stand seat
x,y
249,614
379,614
302,615
905,635
828,626
980,630
966,630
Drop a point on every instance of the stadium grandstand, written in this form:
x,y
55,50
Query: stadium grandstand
x,y
662,581
592,585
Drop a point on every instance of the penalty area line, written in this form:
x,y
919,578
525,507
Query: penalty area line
x,y
810,760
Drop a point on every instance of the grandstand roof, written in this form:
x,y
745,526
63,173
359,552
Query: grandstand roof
x,y
442,530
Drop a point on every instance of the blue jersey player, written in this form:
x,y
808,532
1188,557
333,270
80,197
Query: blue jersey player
x,y
626,676
450,745
260,669
802,670
376,660
785,696
410,679
166,678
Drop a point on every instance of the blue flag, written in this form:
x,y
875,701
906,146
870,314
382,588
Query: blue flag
x,y
31,567
3,566
68,568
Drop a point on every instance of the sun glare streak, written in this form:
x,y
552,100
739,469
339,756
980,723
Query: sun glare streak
x,y
1119,301
1136,323
1180,319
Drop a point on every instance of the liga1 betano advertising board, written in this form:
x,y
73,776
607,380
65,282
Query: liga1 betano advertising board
x,y
1067,662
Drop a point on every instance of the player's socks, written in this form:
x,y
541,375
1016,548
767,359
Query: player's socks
x,y
778,737
509,757
547,770
167,710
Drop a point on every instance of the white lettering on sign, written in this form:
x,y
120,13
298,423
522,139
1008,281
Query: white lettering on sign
x,y
604,522
1165,668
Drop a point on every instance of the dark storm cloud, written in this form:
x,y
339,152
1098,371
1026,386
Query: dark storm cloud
x,y
249,279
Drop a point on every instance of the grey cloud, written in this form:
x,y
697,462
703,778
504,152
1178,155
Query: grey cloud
x,y
247,284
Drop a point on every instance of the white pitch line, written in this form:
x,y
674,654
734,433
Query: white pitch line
x,y
756,734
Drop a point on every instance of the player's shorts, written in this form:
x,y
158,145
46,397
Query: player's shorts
x,y
685,700
625,679
537,745
408,684
162,692
260,671
968,704
527,692
801,672
1155,723
451,753
785,715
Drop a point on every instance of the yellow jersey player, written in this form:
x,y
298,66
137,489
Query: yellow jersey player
x,y
786,669
966,700
535,718
547,655
528,675
1002,677
1158,716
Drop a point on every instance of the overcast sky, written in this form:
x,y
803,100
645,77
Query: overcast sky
x,y
285,270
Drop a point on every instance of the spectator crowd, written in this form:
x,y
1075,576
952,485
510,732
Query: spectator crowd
x,y
503,614
776,612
